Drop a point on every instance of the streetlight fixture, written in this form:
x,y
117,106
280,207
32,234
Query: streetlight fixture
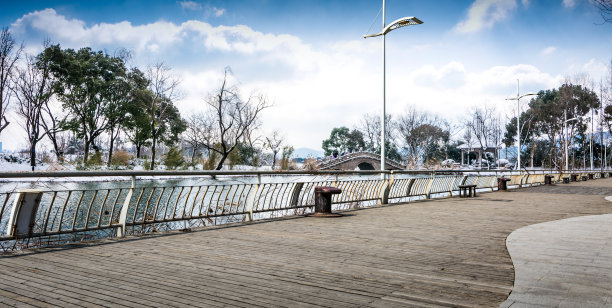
x,y
518,115
402,22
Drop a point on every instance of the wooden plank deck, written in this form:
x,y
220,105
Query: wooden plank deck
x,y
448,252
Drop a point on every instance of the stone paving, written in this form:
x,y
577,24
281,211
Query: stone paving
x,y
563,263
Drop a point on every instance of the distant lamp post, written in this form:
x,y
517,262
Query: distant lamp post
x,y
566,137
402,22
518,115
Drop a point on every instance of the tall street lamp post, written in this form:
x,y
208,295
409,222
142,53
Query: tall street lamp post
x,y
566,137
402,22
518,115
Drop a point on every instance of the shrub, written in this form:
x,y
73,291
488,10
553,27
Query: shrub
x,y
94,160
120,158
174,158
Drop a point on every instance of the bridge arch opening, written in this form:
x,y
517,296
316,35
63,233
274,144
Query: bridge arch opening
x,y
365,166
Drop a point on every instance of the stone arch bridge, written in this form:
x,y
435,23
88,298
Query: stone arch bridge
x,y
360,161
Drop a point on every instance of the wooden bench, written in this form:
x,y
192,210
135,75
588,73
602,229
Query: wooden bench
x,y
466,191
566,180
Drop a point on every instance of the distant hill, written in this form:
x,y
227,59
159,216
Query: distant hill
x,y
307,153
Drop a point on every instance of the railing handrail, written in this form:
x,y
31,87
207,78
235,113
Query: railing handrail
x,y
130,173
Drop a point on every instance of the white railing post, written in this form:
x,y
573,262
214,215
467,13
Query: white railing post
x,y
428,189
386,188
251,200
121,231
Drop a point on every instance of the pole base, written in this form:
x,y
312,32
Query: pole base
x,y
324,215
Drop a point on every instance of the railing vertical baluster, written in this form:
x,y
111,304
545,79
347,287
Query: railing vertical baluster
x,y
146,209
202,202
195,199
76,210
178,198
114,204
59,227
142,190
44,228
186,200
161,194
89,208
102,208
168,203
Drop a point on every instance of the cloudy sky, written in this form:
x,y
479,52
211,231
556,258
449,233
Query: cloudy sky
x,y
310,59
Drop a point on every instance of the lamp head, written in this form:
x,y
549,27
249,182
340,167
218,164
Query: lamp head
x,y
402,22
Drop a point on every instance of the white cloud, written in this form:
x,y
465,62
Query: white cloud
x,y
322,86
569,3
548,50
218,12
484,14
526,3
189,5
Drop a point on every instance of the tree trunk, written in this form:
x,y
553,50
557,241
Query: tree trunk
x,y
86,152
33,154
58,154
274,159
110,149
223,157
153,144
138,146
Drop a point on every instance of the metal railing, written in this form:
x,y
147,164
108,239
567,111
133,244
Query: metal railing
x,y
153,202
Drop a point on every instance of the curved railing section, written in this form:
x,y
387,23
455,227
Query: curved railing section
x,y
148,202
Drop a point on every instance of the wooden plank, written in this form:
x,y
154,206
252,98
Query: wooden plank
x,y
447,252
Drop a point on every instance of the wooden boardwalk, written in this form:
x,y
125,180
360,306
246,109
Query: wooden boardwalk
x,y
448,252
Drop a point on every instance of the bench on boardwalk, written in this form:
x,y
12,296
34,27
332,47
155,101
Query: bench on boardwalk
x,y
466,191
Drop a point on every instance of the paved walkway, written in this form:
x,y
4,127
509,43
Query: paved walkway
x,y
448,252
563,263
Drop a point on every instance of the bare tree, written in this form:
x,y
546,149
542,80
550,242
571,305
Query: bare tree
x,y
274,143
198,133
32,90
605,9
232,118
485,128
370,128
9,55
420,133
164,88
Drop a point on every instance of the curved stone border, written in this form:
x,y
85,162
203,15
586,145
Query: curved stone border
x,y
562,263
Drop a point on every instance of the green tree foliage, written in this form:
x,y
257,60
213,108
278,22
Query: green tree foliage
x,y
137,121
545,120
84,83
123,94
286,157
342,140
